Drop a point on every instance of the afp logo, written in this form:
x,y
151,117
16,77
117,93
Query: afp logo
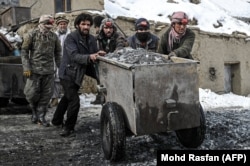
x,y
234,158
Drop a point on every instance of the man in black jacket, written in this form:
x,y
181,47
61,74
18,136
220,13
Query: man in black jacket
x,y
143,38
79,55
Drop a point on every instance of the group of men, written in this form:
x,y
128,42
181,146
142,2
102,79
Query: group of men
x,y
75,55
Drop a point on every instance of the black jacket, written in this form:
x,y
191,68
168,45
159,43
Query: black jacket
x,y
151,45
115,42
75,61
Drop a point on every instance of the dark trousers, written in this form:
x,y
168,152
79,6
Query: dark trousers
x,y
70,102
38,89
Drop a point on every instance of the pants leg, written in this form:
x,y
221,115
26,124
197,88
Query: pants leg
x,y
32,89
56,89
38,93
45,90
60,111
38,89
56,85
70,102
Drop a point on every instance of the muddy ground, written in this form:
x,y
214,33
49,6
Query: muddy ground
x,y
23,143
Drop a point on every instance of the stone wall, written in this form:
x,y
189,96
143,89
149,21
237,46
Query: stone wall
x,y
87,4
38,7
219,51
48,6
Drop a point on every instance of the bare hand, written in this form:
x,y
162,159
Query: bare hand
x,y
101,53
93,57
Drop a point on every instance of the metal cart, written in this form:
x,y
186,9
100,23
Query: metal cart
x,y
148,99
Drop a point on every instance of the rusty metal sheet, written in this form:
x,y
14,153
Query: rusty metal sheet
x,y
11,80
119,84
154,85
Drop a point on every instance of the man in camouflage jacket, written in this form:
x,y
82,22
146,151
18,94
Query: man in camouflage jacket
x,y
41,48
178,40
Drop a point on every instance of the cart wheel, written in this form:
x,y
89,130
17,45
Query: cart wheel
x,y
113,131
192,138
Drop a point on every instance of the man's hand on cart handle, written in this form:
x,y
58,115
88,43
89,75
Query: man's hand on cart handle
x,y
101,53
94,56
172,54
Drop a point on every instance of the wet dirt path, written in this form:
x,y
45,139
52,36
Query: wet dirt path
x,y
24,143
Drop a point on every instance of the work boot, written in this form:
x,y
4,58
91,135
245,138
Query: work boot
x,y
56,125
67,132
41,119
34,117
98,99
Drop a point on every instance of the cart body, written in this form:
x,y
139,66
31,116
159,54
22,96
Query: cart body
x,y
154,98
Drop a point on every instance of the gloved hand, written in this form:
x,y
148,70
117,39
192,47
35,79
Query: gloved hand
x,y
171,54
27,73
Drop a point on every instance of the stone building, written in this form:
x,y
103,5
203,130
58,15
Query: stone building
x,y
40,7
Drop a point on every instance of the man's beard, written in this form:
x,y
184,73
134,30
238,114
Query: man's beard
x,y
108,35
84,32
62,31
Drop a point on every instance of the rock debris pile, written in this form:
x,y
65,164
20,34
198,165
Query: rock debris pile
x,y
138,57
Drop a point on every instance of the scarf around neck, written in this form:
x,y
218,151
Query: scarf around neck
x,y
174,37
44,29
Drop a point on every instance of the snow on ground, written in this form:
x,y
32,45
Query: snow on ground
x,y
208,12
86,99
208,100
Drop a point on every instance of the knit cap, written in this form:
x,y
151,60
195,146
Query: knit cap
x,y
142,23
61,19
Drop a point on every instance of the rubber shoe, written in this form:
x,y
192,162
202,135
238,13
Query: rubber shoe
x,y
34,119
67,133
43,122
57,126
